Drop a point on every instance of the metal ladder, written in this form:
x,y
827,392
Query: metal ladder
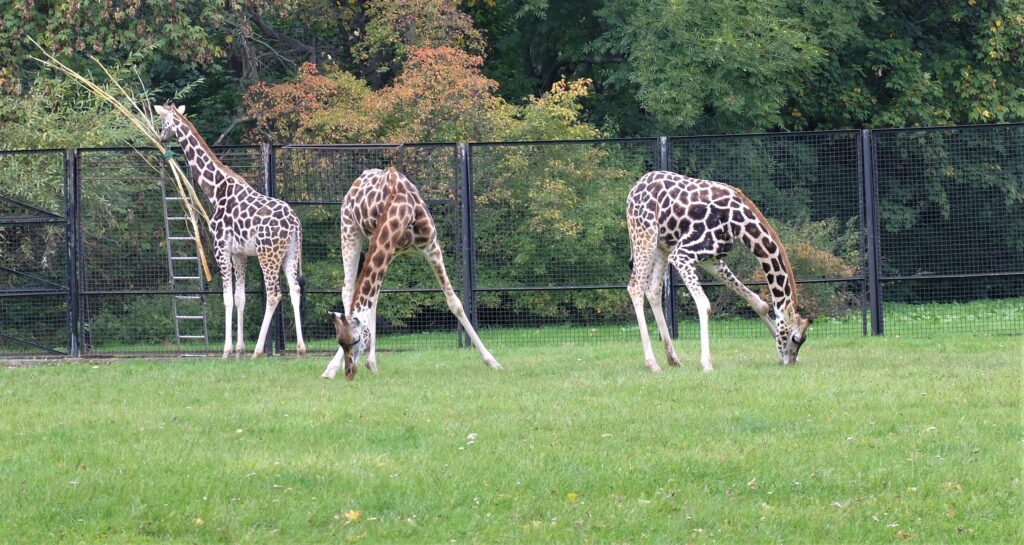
x,y
186,274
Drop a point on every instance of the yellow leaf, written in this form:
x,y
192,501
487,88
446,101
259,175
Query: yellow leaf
x,y
353,516
572,497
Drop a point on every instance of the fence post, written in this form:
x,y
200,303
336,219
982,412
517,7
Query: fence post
x,y
276,336
669,291
873,226
468,240
71,237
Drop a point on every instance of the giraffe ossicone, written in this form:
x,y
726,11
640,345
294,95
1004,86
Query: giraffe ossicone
x,y
385,208
690,222
244,223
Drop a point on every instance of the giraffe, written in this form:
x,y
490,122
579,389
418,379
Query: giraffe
x,y
384,207
244,223
689,223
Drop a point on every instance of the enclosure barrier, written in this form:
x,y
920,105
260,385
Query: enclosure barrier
x,y
896,231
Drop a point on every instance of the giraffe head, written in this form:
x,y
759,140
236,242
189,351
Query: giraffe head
x,y
353,337
168,119
790,336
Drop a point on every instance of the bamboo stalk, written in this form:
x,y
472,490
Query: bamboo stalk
x,y
140,115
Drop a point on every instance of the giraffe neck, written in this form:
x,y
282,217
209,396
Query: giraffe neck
x,y
389,234
211,175
764,242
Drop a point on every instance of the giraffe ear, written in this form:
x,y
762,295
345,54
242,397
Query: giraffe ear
x,y
160,110
181,109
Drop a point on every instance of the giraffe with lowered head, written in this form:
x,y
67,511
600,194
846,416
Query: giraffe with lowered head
x,y
384,207
689,223
244,223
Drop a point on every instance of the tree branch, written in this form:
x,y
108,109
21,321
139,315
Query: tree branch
x,y
234,123
282,37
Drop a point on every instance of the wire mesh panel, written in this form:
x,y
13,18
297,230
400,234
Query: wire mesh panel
x,y
411,312
34,294
549,232
951,211
808,187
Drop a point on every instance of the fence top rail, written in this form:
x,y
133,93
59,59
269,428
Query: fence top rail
x,y
787,134
328,147
102,149
977,126
42,151
645,139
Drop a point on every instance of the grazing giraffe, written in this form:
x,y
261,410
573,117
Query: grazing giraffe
x,y
244,223
384,207
687,222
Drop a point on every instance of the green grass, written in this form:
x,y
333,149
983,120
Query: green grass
x,y
868,440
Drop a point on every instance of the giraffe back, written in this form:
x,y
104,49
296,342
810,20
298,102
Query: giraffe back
x,y
699,216
374,196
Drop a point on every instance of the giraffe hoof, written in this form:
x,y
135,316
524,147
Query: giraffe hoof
x,y
327,375
654,367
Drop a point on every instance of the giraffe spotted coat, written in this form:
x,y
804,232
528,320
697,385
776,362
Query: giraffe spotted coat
x,y
690,222
384,208
244,223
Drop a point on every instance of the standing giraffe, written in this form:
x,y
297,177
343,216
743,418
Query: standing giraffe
x,y
385,208
686,221
244,223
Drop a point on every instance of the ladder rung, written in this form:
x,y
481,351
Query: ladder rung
x,y
176,218
188,317
189,297
191,336
180,238
184,258
185,278
173,199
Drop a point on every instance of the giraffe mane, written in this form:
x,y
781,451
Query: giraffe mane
x,y
202,143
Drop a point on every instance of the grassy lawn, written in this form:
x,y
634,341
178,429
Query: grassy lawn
x,y
868,440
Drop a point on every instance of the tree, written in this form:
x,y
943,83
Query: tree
x,y
921,63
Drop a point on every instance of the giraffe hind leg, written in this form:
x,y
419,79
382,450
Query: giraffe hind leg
x,y
272,284
655,288
291,273
644,247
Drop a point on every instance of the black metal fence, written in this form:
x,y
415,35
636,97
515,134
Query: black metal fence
x,y
911,232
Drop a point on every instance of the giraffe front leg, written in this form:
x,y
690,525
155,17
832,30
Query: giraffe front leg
x,y
334,365
238,264
724,274
685,264
436,259
351,245
371,354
